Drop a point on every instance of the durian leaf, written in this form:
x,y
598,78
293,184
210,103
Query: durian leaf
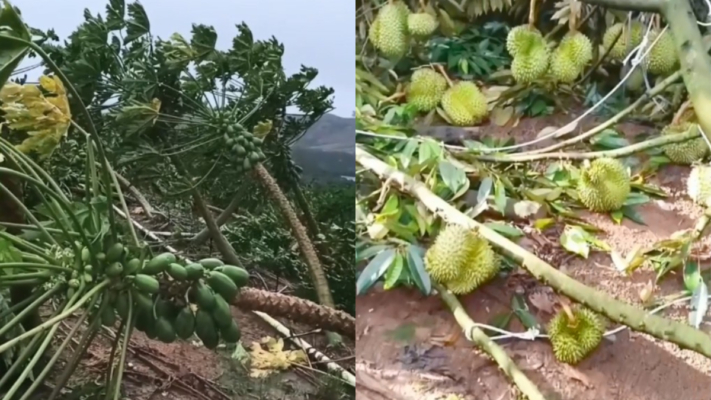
x,y
407,152
573,239
484,189
374,270
635,198
369,252
430,150
699,305
501,321
452,176
395,270
416,265
500,196
632,213
692,276
507,230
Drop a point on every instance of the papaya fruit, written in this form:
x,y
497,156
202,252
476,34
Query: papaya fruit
x,y
158,263
164,330
254,157
194,271
230,333
115,269
239,275
114,252
88,278
221,313
146,283
85,254
108,316
246,164
222,284
132,267
88,268
184,323
257,141
211,263
142,301
177,272
239,150
101,256
205,329
203,295
121,305
73,283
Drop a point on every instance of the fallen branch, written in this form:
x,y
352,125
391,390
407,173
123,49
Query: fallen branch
x,y
224,216
140,198
679,333
476,335
308,349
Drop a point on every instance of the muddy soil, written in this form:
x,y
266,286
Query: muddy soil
x,y
410,347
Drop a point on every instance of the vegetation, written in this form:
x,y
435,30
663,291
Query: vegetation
x,y
430,204
190,127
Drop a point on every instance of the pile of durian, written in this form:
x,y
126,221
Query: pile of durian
x,y
604,185
395,25
461,260
574,334
661,60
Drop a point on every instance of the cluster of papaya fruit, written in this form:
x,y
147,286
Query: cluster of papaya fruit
x,y
171,298
246,148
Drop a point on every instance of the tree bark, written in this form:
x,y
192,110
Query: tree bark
x,y
222,219
318,276
311,223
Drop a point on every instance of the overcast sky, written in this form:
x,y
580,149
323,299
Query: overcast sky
x,y
316,33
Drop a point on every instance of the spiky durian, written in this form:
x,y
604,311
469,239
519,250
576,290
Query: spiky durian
x,y
573,340
530,65
629,39
571,56
388,33
685,152
461,260
636,80
604,185
698,185
426,89
421,24
662,58
520,38
464,104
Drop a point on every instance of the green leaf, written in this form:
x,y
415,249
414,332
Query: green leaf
x,y
429,150
500,197
633,214
484,189
12,51
574,240
692,276
610,139
374,270
636,198
505,229
391,207
407,152
369,252
527,319
115,13
392,275
617,216
203,41
699,305
137,24
501,321
416,265
452,176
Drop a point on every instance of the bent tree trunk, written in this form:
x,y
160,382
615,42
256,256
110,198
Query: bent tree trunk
x,y
318,277
694,60
311,223
222,219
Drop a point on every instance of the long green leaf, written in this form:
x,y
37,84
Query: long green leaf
x,y
12,52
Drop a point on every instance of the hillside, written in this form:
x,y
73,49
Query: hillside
x,y
326,151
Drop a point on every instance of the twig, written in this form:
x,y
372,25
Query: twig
x,y
681,334
140,198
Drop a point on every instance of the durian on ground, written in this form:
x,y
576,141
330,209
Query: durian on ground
x,y
465,104
426,89
686,152
389,32
461,260
604,185
570,57
530,53
574,339
698,185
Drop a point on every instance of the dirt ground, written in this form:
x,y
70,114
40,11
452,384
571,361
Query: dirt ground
x,y
410,347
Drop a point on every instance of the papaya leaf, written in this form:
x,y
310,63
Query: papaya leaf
x,y
12,50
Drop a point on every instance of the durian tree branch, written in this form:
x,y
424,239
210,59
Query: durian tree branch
x,y
476,335
621,152
631,5
636,319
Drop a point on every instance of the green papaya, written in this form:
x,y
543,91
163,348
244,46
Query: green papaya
x,y
114,252
257,141
85,254
239,275
204,297
165,331
211,263
229,141
114,269
108,316
231,333
88,268
222,284
73,283
222,314
146,283
247,135
178,272
132,267
185,323
101,256
205,329
194,271
240,150
121,305
158,263
246,164
143,302
88,278
254,157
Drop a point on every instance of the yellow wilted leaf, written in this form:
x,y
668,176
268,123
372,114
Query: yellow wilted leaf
x,y
274,358
262,129
501,115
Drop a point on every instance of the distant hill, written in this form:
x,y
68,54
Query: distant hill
x,y
326,152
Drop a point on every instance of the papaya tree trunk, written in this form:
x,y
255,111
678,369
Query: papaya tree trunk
x,y
311,223
222,219
296,309
308,252
694,60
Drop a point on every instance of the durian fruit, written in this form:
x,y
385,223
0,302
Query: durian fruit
x,y
604,185
461,260
626,42
662,59
421,24
698,185
530,53
635,82
574,339
388,33
571,56
685,152
426,89
465,104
